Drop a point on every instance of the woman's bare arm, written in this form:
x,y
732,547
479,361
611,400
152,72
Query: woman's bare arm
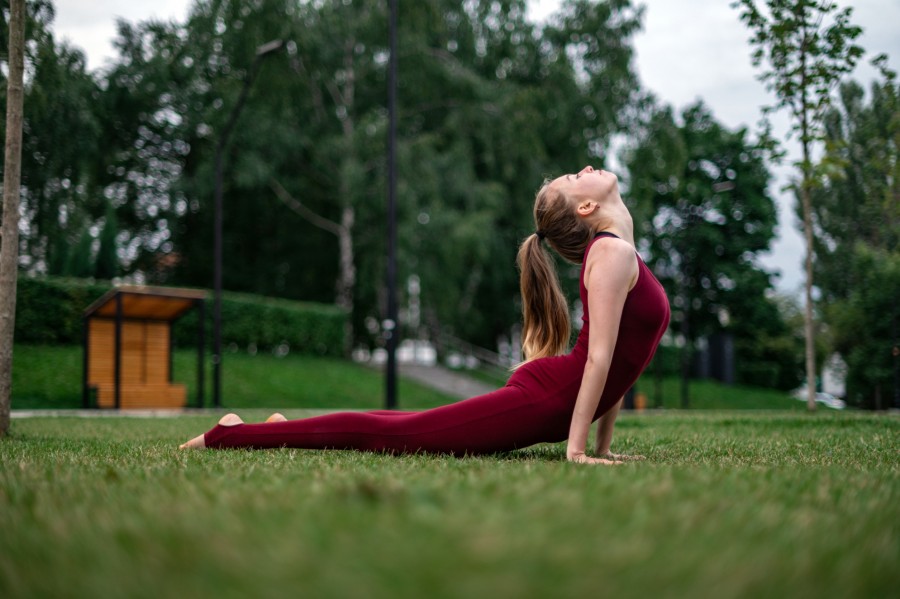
x,y
610,273
605,426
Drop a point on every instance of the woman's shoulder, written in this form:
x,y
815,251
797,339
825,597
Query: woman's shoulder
x,y
609,247
611,256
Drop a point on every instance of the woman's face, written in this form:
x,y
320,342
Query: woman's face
x,y
587,184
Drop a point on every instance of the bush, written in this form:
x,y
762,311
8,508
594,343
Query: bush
x,y
49,312
267,323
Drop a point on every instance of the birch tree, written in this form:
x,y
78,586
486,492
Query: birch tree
x,y
9,247
806,46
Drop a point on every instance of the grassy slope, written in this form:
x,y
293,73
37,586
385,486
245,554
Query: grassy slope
x,y
727,505
50,377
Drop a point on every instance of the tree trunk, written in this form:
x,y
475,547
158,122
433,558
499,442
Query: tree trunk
x,y
347,276
686,354
808,323
9,246
657,381
806,205
346,283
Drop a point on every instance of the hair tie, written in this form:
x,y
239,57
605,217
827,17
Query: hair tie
x,y
540,234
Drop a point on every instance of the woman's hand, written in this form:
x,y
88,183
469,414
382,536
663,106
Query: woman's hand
x,y
582,458
621,457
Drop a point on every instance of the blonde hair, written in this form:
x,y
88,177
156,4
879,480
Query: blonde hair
x,y
545,313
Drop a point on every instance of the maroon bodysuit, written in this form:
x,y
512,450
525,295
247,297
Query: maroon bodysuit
x,y
535,406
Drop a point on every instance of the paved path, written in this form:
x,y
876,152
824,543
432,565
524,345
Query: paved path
x,y
446,381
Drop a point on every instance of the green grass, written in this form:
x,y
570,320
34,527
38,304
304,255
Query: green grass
x,y
727,505
50,377
711,395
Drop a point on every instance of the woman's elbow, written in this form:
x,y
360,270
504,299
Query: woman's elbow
x,y
598,359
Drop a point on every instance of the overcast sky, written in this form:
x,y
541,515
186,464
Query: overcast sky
x,y
687,50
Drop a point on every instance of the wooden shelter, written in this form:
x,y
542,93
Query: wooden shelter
x,y
128,347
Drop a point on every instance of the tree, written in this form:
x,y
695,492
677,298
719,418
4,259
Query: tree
x,y
858,200
865,327
703,214
504,105
106,266
59,149
148,105
808,46
9,245
857,215
80,259
488,106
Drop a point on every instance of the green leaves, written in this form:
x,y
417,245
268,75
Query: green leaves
x,y
704,211
857,213
805,48
489,105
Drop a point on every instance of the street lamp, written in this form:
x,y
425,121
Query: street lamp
x,y
262,51
393,331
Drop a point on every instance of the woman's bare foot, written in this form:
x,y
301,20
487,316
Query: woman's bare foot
x,y
199,442
276,417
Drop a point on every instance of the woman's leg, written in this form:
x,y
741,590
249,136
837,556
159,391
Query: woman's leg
x,y
199,442
502,420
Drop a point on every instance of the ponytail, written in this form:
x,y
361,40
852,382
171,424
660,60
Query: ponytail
x,y
545,313
545,331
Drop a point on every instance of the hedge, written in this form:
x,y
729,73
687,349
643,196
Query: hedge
x,y
49,311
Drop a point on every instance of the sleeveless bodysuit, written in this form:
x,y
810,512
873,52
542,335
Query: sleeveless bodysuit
x,y
535,406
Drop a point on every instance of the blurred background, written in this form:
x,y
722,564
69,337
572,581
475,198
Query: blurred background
x,y
125,104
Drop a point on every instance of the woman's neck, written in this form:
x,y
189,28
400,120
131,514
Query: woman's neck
x,y
614,218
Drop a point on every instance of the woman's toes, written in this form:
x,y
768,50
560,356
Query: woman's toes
x,y
276,417
230,420
198,442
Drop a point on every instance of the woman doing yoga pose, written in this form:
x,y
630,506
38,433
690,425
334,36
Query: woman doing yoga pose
x,y
553,395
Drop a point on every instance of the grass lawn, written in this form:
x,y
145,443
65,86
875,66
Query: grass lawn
x,y
728,504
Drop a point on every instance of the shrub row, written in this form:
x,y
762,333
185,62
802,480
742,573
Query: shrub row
x,y
49,311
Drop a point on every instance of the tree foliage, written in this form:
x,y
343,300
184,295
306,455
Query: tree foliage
x,y
489,103
857,214
704,213
59,146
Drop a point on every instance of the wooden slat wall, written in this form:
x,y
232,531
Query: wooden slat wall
x,y
144,367
156,348
101,349
133,354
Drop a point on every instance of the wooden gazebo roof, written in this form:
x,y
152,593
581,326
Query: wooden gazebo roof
x,y
145,303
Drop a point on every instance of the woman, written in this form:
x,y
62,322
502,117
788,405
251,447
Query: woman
x,y
550,397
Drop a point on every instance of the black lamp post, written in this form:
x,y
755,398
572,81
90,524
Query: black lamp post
x,y
261,52
392,329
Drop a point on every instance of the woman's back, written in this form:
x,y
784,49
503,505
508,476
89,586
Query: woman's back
x,y
645,317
